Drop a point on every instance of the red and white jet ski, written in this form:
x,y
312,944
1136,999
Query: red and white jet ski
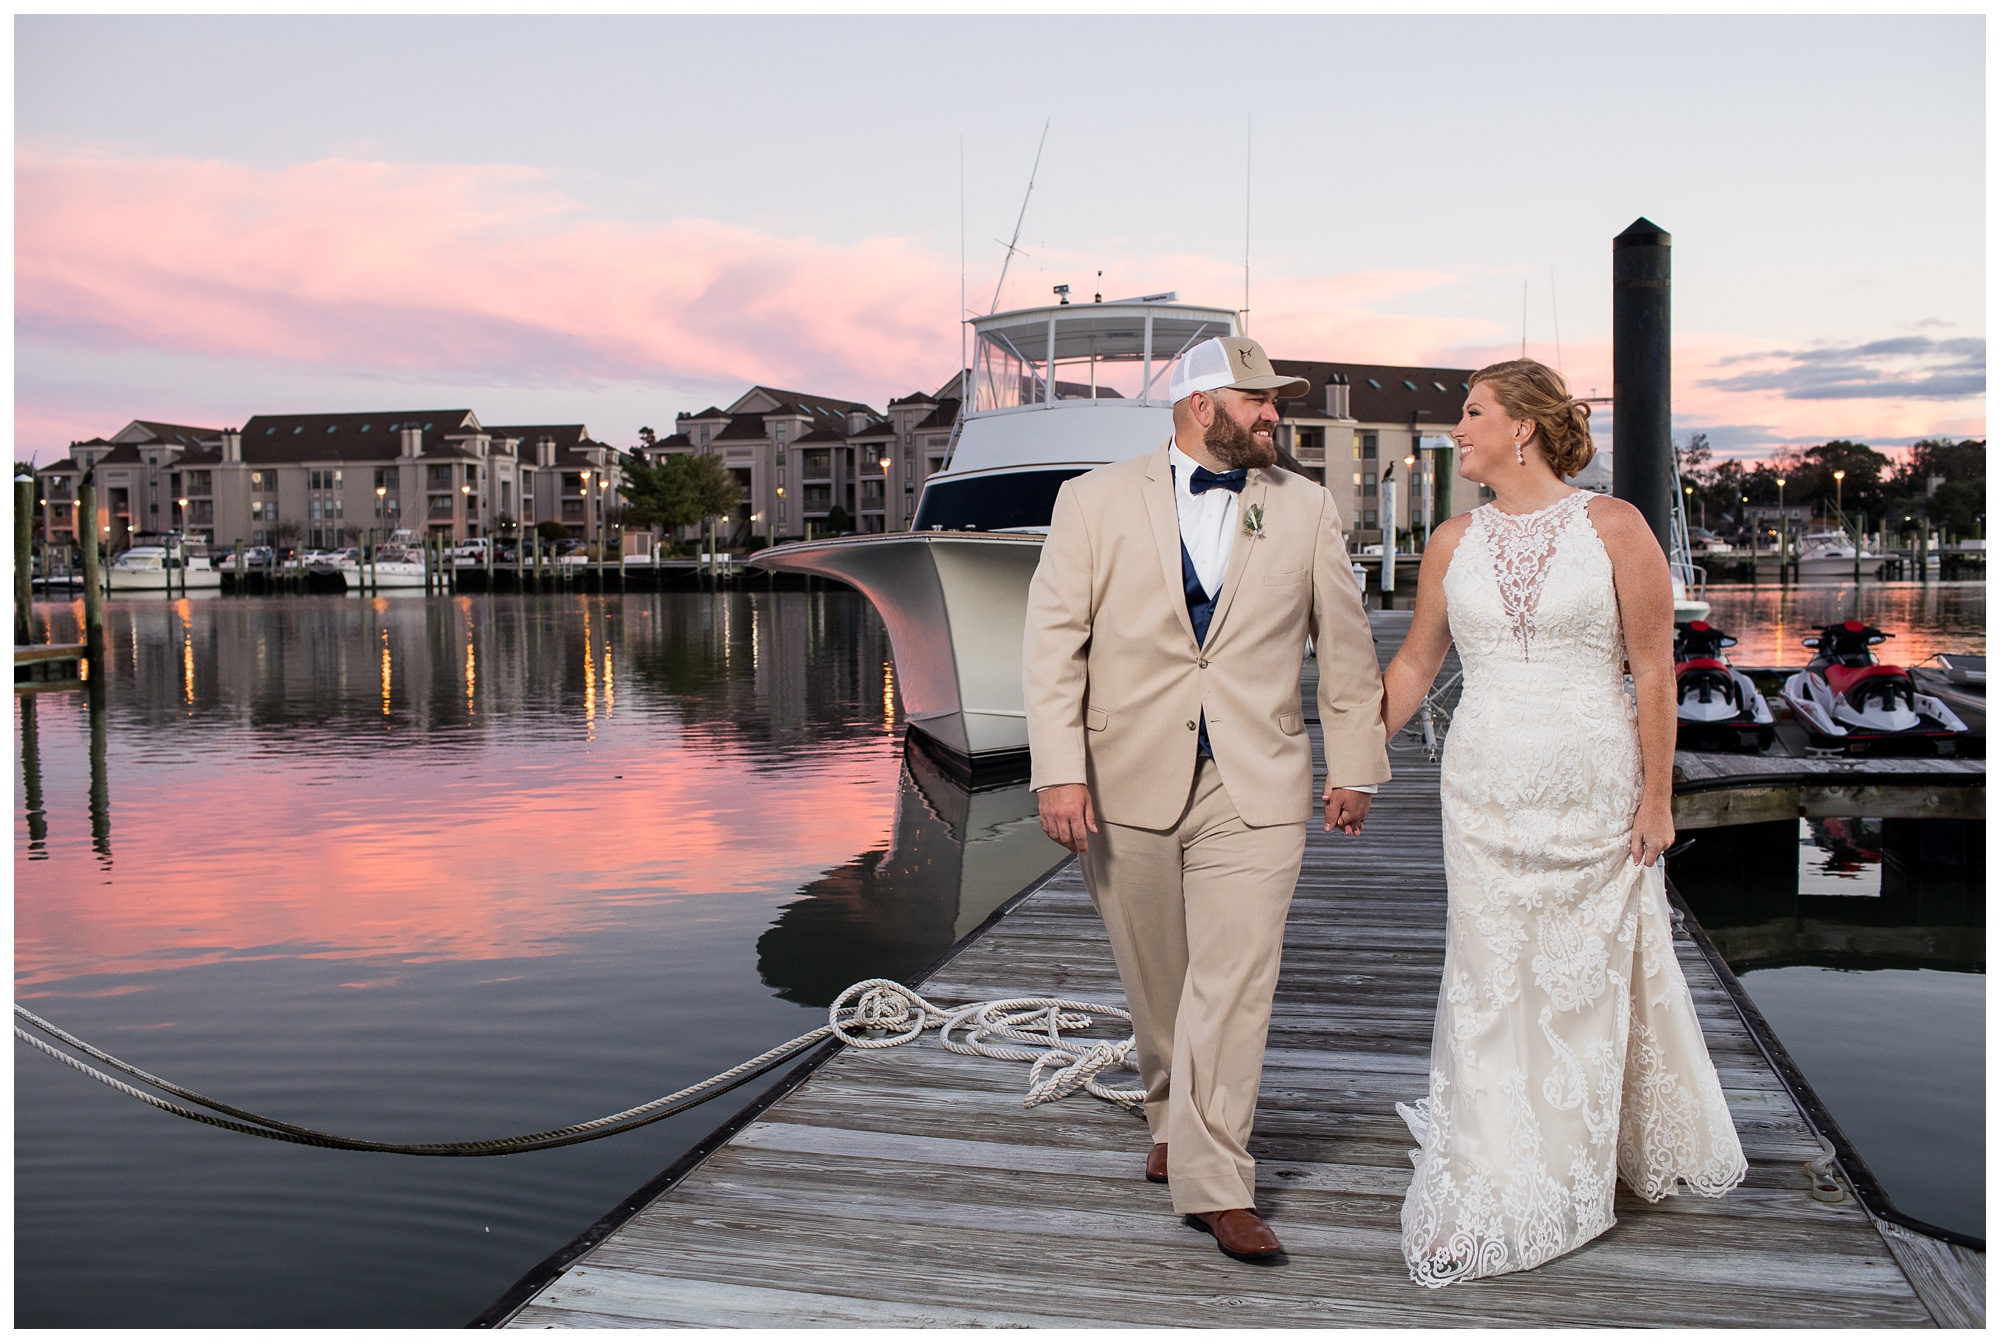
x,y
1719,708
1846,698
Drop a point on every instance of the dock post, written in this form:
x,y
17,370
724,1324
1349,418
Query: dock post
x,y
93,585
31,775
24,559
1386,576
1642,428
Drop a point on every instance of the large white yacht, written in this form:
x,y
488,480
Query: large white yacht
x,y
1055,391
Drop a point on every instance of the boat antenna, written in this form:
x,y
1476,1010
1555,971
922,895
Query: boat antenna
x,y
963,311
1246,222
1020,218
1555,316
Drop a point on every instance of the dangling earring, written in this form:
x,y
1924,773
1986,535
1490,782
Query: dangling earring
x,y
1520,456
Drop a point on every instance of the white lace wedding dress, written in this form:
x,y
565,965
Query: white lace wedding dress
x,y
1566,1050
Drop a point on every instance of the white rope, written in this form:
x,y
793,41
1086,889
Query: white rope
x,y
896,1015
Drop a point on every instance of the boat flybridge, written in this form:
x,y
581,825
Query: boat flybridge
x,y
1055,391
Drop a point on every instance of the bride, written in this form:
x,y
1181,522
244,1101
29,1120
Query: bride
x,y
1566,1050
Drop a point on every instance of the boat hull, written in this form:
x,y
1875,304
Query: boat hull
x,y
155,580
955,605
387,574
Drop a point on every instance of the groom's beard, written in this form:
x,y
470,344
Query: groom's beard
x,y
1234,446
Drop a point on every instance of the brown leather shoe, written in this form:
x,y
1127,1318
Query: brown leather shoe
x,y
1156,1163
1241,1234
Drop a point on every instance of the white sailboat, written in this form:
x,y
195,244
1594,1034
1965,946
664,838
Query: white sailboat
x,y
1055,391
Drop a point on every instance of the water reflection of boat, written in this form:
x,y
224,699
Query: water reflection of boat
x,y
1928,912
1055,391
958,854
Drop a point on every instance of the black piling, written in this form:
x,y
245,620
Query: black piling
x,y
1642,372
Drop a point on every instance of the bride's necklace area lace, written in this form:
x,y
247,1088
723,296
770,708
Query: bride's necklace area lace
x,y
1521,546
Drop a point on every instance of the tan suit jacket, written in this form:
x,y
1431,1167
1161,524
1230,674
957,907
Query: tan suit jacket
x,y
1115,683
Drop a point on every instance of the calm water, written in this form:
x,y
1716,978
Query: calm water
x,y
432,869
1926,618
1863,943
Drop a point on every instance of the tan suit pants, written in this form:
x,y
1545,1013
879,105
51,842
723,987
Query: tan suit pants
x,y
1196,914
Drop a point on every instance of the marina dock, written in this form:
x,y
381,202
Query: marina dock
x,y
910,1187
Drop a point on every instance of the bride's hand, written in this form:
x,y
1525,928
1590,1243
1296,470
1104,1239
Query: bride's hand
x,y
1652,831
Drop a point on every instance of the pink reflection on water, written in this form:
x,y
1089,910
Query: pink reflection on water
x,y
474,858
1768,621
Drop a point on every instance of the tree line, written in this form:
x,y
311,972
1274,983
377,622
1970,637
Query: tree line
x,y
1886,495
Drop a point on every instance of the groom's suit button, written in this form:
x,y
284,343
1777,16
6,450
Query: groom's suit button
x,y
1190,724
1202,664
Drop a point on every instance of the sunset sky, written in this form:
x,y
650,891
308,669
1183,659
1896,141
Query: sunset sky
x,y
614,219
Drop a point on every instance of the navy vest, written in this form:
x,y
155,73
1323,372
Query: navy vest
x,y
1201,610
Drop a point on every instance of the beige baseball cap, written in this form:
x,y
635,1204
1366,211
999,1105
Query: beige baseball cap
x,y
1230,361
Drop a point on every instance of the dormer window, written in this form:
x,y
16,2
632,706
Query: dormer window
x,y
782,430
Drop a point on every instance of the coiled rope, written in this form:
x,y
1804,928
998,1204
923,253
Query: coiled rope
x,y
891,1014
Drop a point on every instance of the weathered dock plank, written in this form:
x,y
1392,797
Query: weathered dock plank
x,y
910,1187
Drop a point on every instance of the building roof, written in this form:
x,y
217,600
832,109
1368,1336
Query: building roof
x,y
822,433
372,436
819,407
66,464
740,427
943,417
912,399
184,435
1381,393
563,434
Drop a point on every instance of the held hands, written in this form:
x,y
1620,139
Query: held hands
x,y
1067,816
1652,831
1345,809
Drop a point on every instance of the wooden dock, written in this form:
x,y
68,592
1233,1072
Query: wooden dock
x,y
909,1187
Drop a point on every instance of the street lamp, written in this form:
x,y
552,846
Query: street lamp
x,y
1839,476
1784,529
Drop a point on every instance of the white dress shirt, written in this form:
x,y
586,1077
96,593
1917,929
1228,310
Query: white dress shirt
x,y
1208,523
1208,530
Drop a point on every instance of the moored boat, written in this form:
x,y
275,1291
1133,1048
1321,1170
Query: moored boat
x,y
1054,392
172,564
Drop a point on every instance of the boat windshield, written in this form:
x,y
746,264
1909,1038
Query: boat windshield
x,y
1010,502
1085,352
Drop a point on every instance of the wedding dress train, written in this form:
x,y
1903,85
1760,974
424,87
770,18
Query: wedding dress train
x,y
1566,1050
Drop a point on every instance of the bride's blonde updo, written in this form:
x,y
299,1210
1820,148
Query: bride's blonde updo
x,y
1528,389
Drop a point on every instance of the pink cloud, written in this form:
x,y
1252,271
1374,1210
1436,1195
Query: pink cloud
x,y
488,274
454,269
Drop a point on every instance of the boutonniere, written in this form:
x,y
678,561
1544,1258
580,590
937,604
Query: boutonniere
x,y
1253,520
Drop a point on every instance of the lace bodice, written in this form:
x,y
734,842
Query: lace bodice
x,y
1534,588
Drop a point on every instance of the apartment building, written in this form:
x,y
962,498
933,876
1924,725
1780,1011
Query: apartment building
x,y
1361,423
151,477
797,455
330,480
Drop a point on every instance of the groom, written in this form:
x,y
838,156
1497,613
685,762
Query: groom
x,y
1166,626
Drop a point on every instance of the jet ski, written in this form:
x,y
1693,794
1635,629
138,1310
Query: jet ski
x,y
1718,708
1847,699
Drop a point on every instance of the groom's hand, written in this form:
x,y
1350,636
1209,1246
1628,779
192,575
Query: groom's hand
x,y
1345,810
1067,816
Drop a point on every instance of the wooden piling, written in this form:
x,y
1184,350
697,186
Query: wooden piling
x,y
24,560
93,581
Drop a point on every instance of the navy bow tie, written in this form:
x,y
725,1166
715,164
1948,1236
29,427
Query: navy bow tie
x,y
1204,480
